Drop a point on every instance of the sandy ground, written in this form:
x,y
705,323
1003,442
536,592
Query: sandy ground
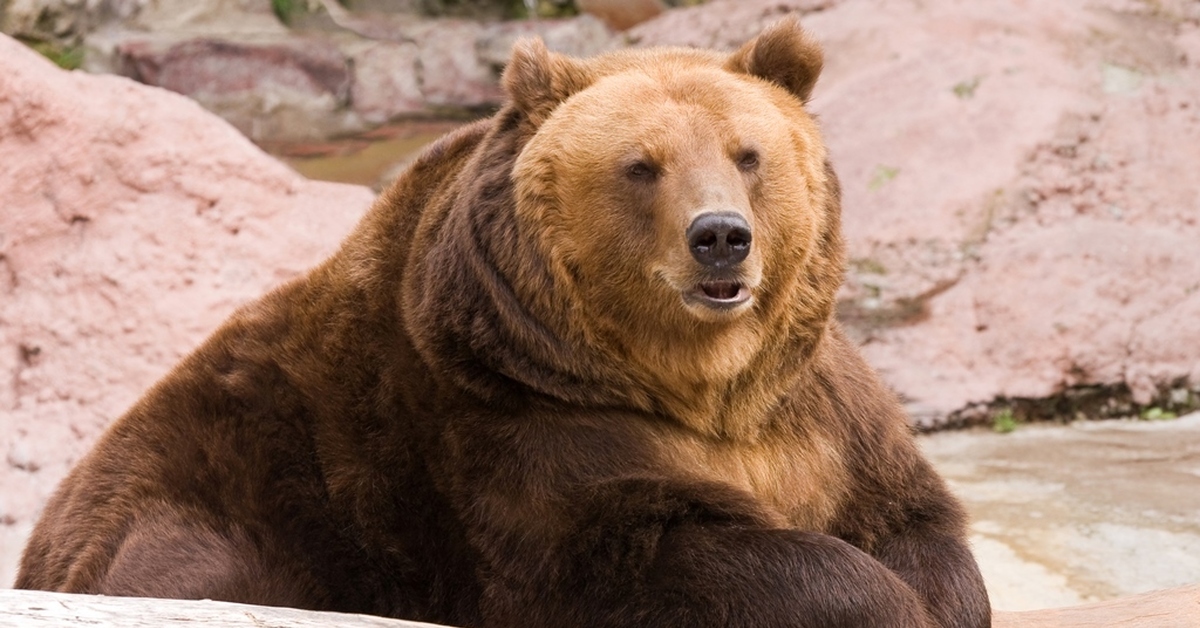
x,y
1082,512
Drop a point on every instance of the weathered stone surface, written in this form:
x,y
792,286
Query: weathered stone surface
x,y
1032,230
71,20
209,69
259,87
451,72
386,83
622,14
583,36
132,222
719,24
368,69
460,61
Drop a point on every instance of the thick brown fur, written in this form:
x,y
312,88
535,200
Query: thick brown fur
x,y
498,405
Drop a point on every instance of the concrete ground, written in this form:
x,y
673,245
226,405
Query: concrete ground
x,y
1081,512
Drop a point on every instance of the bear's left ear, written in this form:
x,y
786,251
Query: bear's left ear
x,y
538,80
783,54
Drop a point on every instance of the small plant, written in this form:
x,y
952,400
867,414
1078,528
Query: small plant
x,y
289,10
1004,421
868,265
966,89
881,177
65,57
1157,414
283,10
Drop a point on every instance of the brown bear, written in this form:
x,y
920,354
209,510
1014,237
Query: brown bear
x,y
576,368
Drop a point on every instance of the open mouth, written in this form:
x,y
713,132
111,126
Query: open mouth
x,y
720,294
721,290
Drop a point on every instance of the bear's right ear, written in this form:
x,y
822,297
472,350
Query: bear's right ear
x,y
783,54
538,80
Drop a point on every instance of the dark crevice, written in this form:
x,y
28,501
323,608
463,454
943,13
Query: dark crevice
x,y
1077,403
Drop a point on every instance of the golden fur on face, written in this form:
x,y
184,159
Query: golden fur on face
x,y
612,195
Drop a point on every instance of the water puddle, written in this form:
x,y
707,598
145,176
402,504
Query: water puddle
x,y
372,159
1070,513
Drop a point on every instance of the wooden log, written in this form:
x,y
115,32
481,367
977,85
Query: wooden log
x,y
41,609
1171,608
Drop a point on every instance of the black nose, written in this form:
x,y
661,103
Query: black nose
x,y
720,239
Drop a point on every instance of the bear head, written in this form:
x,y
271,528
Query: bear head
x,y
667,234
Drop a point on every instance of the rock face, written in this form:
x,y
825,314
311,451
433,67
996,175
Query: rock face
x,y
359,71
720,24
132,222
1022,219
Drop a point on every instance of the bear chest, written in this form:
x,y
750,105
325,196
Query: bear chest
x,y
800,480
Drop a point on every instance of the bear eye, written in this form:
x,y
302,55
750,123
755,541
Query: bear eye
x,y
748,161
640,171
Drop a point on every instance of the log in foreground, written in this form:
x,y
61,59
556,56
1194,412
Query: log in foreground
x,y
1171,608
38,609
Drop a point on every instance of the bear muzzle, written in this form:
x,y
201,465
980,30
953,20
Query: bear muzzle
x,y
719,239
720,242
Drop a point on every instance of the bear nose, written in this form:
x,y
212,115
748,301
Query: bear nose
x,y
719,239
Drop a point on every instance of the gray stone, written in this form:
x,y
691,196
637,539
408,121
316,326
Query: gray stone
x,y
386,81
298,89
452,74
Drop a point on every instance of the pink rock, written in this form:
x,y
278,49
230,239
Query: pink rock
x,y
386,84
452,73
207,68
132,222
719,24
249,83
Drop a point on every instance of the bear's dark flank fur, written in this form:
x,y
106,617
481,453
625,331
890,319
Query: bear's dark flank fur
x,y
418,429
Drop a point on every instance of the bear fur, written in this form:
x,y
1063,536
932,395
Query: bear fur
x,y
519,396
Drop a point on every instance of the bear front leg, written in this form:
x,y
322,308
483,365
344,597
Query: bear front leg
x,y
929,553
169,558
663,553
913,525
942,569
164,556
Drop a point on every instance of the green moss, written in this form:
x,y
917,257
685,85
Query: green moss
x,y
64,56
1156,413
286,10
1004,422
500,9
966,89
554,8
882,176
868,265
